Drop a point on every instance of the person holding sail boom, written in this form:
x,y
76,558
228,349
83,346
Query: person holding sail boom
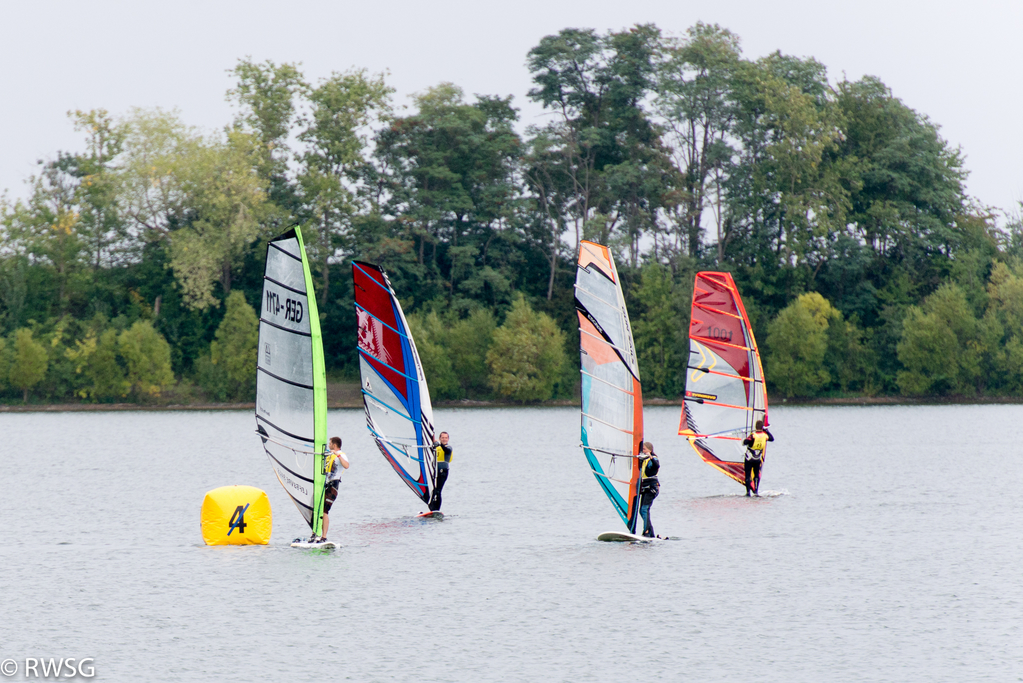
x,y
332,466
755,444
443,451
649,486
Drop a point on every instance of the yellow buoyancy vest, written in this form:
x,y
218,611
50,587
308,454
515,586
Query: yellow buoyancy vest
x,y
645,470
759,442
442,454
328,462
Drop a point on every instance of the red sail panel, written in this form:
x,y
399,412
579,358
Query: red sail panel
x,y
735,470
718,319
377,326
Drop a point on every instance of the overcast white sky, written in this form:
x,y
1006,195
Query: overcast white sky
x,y
957,62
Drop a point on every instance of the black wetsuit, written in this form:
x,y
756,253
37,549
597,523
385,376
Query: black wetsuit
x,y
753,461
649,487
443,467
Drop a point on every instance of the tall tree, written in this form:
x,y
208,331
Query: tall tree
x,y
612,166
450,169
694,102
336,136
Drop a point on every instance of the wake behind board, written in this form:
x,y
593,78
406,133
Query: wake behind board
x,y
623,537
433,514
308,545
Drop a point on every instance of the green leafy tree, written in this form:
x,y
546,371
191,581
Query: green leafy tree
x,y
660,320
336,136
906,187
428,332
29,361
226,203
603,153
150,195
797,341
785,201
234,349
101,223
204,196
468,342
694,101
849,359
146,356
265,95
96,356
941,345
5,363
527,355
449,169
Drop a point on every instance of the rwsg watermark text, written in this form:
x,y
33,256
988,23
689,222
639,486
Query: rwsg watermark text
x,y
49,667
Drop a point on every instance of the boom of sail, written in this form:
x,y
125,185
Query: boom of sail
x,y
612,400
291,382
394,391
725,393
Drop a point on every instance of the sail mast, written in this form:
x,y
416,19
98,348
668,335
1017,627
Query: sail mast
x,y
319,391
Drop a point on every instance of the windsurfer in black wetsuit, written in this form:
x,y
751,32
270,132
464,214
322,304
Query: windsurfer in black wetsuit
x,y
443,467
755,444
649,486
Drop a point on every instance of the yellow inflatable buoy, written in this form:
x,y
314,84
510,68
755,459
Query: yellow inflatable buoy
x,y
236,515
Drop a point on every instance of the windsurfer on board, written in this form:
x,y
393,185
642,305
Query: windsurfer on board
x,y
332,466
443,467
755,444
649,486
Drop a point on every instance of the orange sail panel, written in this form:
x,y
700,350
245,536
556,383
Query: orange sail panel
x,y
612,400
725,393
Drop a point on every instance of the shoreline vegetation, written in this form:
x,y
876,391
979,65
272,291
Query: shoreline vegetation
x,y
343,395
133,272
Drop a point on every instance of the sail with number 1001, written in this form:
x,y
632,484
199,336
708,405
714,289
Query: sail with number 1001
x,y
291,381
725,394
394,392
612,399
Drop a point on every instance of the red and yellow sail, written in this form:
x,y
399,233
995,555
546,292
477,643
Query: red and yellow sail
x,y
725,393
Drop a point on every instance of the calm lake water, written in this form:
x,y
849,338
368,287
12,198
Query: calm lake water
x,y
889,550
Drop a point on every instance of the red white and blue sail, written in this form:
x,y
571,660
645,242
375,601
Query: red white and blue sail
x,y
394,392
725,394
612,399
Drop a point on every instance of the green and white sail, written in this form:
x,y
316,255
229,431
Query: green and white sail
x,y
291,382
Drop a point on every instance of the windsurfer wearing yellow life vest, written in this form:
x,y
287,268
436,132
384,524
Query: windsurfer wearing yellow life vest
x,y
332,466
443,451
755,444
649,486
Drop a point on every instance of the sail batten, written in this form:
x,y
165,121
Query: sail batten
x,y
291,394
725,393
612,399
395,395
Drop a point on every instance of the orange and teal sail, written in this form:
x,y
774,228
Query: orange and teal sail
x,y
612,400
725,393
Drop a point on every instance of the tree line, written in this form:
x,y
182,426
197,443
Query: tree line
x,y
131,270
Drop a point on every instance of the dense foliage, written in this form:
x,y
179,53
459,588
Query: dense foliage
x,y
131,269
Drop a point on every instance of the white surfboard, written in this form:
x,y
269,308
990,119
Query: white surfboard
x,y
319,545
624,537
